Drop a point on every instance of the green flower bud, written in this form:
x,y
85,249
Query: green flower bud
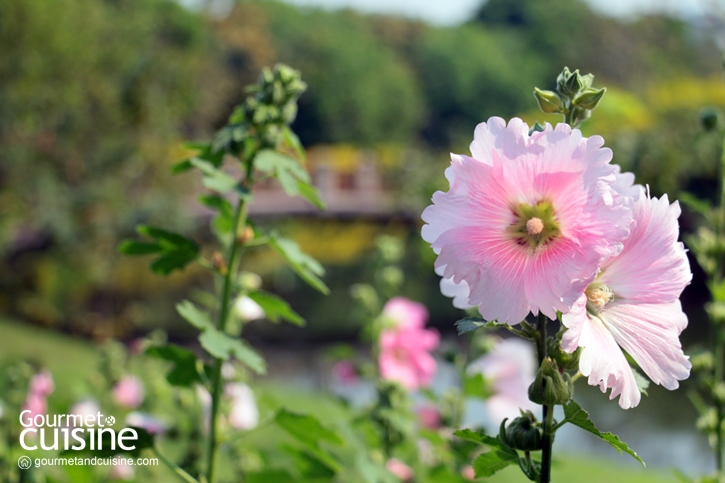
x,y
562,79
565,360
579,115
589,98
549,101
524,433
550,386
709,118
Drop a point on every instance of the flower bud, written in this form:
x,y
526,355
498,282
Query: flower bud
x,y
589,98
525,433
549,101
567,361
550,386
219,263
244,236
702,362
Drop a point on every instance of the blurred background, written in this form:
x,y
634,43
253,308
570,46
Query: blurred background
x,y
97,98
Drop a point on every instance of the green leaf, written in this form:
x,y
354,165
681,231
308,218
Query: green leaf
x,y
181,167
194,315
291,139
214,178
313,464
574,414
184,372
304,265
267,476
171,261
642,382
483,438
167,239
223,346
224,221
306,429
311,194
275,308
695,204
130,247
489,463
475,386
469,324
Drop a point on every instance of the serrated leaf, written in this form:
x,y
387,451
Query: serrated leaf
x,y
167,239
275,308
130,247
306,429
483,438
311,194
184,373
304,265
223,346
194,315
214,178
469,324
489,463
577,416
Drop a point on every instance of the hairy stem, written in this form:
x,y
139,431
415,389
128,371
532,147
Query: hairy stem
x,y
547,412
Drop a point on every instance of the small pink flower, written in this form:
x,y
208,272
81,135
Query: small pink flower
x,y
42,384
399,469
633,304
527,219
468,473
405,348
509,369
128,392
145,421
429,416
122,470
244,413
345,372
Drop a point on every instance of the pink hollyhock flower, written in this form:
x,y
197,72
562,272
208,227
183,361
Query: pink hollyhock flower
x,y
145,421
405,348
468,473
509,369
633,304
429,416
399,469
122,470
527,219
42,384
244,413
128,392
86,407
345,372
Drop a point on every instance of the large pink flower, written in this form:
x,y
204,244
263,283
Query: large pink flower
x,y
405,347
633,304
509,369
527,219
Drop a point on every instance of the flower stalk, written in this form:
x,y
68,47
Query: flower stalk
x,y
547,411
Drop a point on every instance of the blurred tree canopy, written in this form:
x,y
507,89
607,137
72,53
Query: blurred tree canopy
x,y
97,95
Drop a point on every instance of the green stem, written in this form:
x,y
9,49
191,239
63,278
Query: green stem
x,y
180,472
719,339
240,219
547,412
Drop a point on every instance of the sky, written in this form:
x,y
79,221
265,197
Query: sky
x,y
451,12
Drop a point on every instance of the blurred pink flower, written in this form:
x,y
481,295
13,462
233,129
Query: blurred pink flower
x,y
405,348
145,421
244,413
468,473
122,470
128,392
399,469
509,369
86,407
41,384
634,304
429,416
527,219
345,372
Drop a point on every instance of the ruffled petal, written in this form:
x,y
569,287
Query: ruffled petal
x,y
650,334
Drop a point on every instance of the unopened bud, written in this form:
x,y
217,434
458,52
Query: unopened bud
x,y
549,101
589,98
565,360
244,236
525,433
219,263
550,386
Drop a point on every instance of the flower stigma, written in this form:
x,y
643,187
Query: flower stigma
x,y
598,295
534,226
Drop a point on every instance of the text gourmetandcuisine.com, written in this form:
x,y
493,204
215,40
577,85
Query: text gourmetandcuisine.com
x,y
73,432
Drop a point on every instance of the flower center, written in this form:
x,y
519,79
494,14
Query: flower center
x,y
598,295
534,226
